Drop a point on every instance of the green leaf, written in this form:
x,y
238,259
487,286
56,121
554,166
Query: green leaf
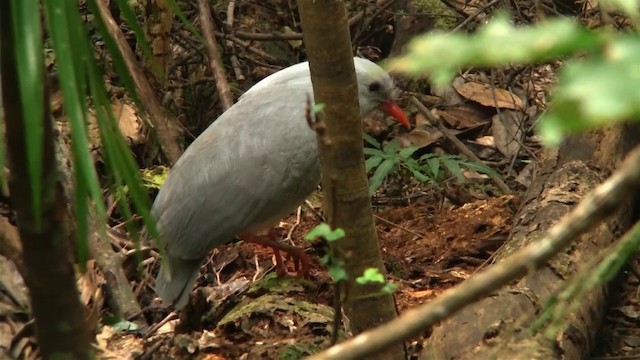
x,y
434,167
454,167
371,275
595,92
71,52
479,167
30,61
442,54
380,174
371,140
391,148
155,177
337,273
409,163
116,57
372,162
407,152
389,288
125,326
421,177
374,152
324,231
630,7
316,108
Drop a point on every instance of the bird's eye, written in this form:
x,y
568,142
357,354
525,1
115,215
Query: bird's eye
x,y
374,87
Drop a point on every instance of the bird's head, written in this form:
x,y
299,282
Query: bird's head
x,y
377,91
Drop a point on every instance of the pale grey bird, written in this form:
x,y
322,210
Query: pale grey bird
x,y
253,166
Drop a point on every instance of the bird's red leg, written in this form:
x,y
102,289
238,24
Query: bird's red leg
x,y
297,254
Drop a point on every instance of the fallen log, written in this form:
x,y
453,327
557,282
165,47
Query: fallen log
x,y
497,326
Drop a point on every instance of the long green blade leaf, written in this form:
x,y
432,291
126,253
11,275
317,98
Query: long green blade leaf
x,y
372,162
380,174
116,57
62,15
28,52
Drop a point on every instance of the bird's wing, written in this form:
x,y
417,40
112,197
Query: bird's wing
x,y
252,166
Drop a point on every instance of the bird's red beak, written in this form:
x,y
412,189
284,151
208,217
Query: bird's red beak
x,y
392,109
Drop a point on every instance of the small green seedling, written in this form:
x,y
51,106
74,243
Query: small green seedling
x,y
324,231
373,275
333,265
428,168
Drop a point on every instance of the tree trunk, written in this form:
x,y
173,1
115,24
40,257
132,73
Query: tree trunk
x,y
60,318
496,326
347,202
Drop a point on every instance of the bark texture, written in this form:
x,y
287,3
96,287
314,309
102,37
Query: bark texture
x,y
347,202
496,326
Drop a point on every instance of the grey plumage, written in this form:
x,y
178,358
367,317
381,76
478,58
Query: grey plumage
x,y
254,165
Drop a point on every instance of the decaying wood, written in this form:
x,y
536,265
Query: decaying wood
x,y
121,299
496,327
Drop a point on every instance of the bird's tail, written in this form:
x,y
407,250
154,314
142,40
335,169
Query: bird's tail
x,y
174,284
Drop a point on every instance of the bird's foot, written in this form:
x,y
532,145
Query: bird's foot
x,y
301,261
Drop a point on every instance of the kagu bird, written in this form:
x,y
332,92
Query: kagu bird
x,y
253,166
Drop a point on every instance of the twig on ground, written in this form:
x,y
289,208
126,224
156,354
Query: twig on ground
x,y
152,330
294,226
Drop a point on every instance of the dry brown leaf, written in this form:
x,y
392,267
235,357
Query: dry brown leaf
x,y
419,138
116,345
487,96
90,286
525,177
448,94
128,122
488,141
421,120
462,117
507,131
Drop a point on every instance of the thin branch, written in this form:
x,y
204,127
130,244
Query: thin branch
x,y
272,36
592,210
247,46
215,60
235,64
166,129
